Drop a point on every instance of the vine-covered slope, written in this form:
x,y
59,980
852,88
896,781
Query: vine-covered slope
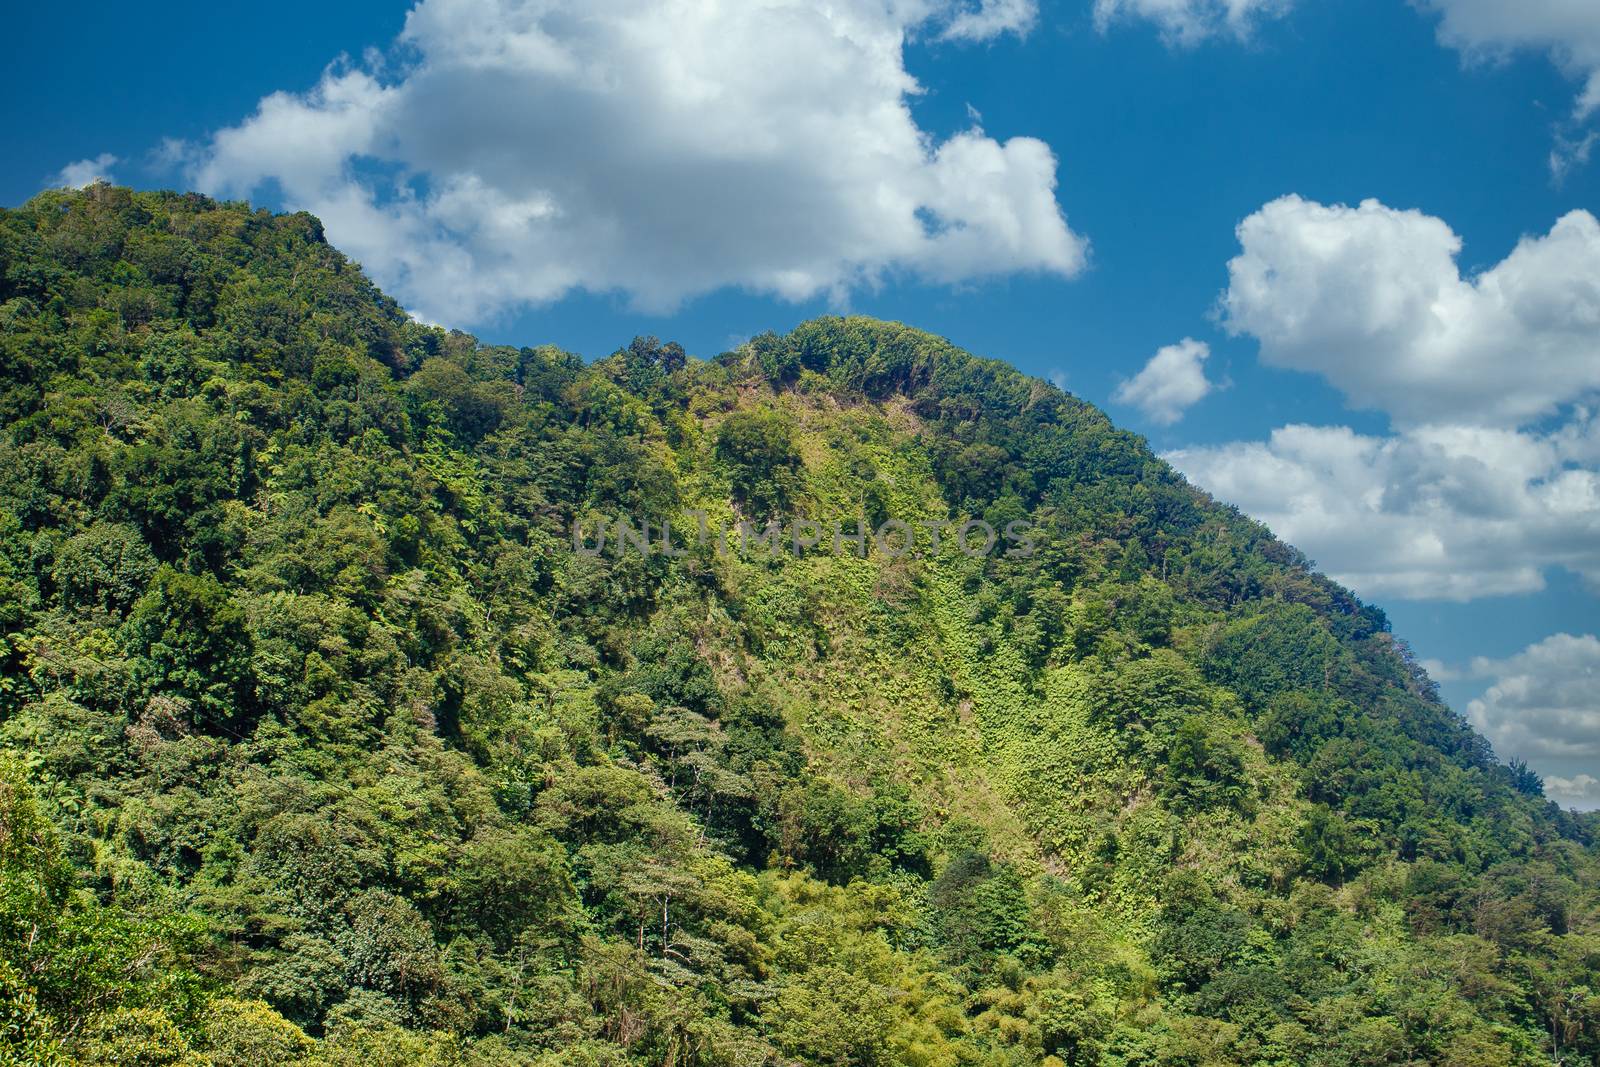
x,y
324,739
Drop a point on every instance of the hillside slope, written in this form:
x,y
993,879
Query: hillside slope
x,y
332,733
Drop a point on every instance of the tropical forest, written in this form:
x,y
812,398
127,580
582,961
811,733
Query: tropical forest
x,y
374,696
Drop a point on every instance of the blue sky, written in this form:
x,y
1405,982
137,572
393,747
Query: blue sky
x,y
1162,137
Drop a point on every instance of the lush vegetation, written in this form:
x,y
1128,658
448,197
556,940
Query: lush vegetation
x,y
321,744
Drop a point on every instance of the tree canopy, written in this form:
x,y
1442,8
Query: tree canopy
x,y
321,743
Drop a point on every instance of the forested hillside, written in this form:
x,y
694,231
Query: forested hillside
x,y
322,742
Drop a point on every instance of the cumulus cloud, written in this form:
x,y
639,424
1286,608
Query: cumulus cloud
x,y
1567,30
1170,384
522,149
1579,791
1543,703
1439,670
1542,706
1188,22
85,172
1492,475
1372,299
1441,512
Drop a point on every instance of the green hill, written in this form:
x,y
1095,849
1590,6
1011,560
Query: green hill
x,y
331,733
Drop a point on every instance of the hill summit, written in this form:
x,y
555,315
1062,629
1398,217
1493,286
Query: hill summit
x,y
373,695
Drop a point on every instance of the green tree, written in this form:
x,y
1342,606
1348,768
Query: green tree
x,y
761,453
188,639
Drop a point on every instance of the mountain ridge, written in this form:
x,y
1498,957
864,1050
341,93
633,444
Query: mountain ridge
x,y
326,738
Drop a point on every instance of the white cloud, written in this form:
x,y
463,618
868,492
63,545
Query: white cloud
x,y
1441,512
991,18
1570,154
85,172
1171,383
1543,703
527,148
1372,299
1188,22
1439,670
1568,30
1579,791
1479,491
1483,31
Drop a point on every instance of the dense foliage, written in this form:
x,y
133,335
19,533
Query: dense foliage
x,y
322,743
